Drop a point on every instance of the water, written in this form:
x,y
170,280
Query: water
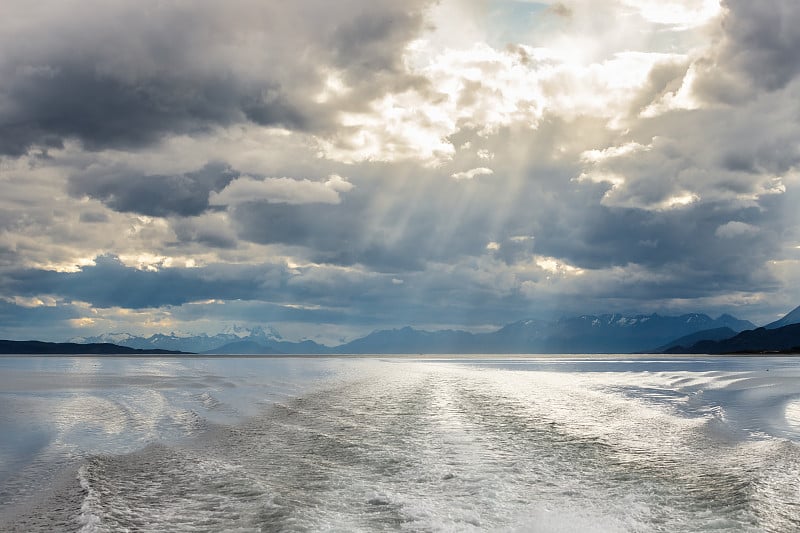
x,y
385,444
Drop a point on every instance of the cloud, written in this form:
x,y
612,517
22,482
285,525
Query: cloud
x,y
472,173
734,229
281,190
151,159
104,109
128,77
376,223
109,283
90,217
210,230
761,41
754,52
560,9
122,189
680,14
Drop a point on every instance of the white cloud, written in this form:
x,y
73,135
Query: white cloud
x,y
734,229
596,156
472,173
554,266
679,200
282,190
32,301
470,82
483,89
612,178
682,14
682,98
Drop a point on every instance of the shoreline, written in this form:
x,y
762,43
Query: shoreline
x,y
446,357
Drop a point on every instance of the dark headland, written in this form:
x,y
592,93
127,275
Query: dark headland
x,y
71,348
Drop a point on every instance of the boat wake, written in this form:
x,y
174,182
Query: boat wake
x,y
438,446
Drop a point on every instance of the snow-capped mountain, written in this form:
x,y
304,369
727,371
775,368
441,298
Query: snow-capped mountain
x,y
190,343
113,338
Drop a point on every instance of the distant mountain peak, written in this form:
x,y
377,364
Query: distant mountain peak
x,y
244,332
112,338
180,334
792,317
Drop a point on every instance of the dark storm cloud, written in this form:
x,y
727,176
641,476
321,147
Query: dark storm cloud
x,y
123,189
540,208
266,312
8,255
103,111
599,227
763,40
537,207
128,75
411,227
335,234
685,240
12,315
758,51
203,232
367,43
717,154
683,250
514,249
90,217
110,283
320,227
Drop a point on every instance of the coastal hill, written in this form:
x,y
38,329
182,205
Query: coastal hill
x,y
715,334
784,339
71,348
781,336
792,317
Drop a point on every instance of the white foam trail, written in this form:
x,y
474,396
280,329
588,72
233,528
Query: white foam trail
x,y
89,516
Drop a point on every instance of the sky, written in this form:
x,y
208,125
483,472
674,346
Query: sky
x,y
332,168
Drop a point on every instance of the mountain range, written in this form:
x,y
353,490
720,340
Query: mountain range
x,y
783,339
607,333
781,336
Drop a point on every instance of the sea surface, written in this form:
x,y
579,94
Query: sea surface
x,y
399,443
